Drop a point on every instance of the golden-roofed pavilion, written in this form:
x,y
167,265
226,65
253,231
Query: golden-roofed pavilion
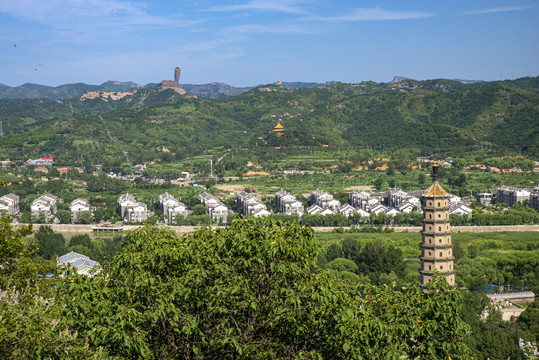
x,y
278,128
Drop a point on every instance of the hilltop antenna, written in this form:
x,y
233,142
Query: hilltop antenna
x,y
211,169
1,131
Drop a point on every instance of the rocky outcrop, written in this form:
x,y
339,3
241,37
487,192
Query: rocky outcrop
x,y
105,95
398,78
173,84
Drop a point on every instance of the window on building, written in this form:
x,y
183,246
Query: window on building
x,y
440,254
439,216
430,267
439,228
441,267
438,203
440,241
430,216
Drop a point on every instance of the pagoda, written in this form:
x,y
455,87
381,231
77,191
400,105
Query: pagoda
x,y
436,246
278,129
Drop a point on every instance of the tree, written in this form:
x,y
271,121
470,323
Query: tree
x,y
49,243
83,240
340,264
421,178
493,338
251,290
351,249
199,210
84,217
377,258
209,184
530,318
333,252
378,183
29,320
64,216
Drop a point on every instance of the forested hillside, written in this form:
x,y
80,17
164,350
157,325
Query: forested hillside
x,y
35,91
441,116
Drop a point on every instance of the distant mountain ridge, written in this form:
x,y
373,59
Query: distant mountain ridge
x,y
219,90
214,90
66,91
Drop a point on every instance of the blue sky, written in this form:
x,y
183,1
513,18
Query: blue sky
x,y
250,42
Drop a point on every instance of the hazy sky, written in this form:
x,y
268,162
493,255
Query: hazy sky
x,y
250,42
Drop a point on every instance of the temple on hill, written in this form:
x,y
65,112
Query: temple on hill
x,y
278,129
436,246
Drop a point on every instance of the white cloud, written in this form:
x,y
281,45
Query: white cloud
x,y
374,14
271,29
498,10
262,5
90,18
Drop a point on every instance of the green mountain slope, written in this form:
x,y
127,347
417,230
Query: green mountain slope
x,y
434,116
66,91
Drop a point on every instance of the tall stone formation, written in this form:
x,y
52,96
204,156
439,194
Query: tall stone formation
x,y
173,84
177,71
436,247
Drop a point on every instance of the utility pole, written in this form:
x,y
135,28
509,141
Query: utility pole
x,y
1,131
211,169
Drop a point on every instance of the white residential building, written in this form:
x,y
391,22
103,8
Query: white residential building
x,y
511,196
534,199
454,200
392,212
249,204
406,207
132,210
361,213
347,210
10,204
215,208
261,213
378,208
46,205
324,200
460,209
314,209
288,204
359,198
77,206
484,198
396,197
171,207
327,211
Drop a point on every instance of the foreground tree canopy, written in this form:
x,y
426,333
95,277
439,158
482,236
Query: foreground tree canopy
x,y
248,291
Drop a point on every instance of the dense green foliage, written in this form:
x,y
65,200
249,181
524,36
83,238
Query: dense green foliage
x,y
34,91
453,118
492,337
250,291
29,316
